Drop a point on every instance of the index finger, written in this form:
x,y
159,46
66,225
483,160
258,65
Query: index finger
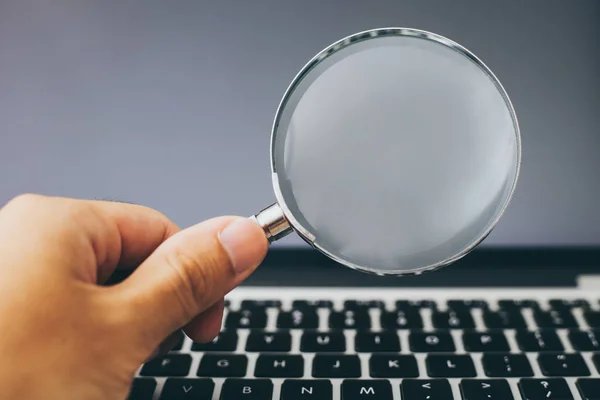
x,y
92,236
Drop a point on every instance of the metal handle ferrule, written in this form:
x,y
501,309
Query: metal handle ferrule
x,y
273,222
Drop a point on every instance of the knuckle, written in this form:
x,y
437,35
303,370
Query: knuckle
x,y
168,227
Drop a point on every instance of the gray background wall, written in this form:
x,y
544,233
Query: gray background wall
x,y
170,103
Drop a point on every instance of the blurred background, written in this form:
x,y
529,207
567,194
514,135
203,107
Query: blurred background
x,y
170,104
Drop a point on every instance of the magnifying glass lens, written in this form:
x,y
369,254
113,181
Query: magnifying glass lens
x,y
395,153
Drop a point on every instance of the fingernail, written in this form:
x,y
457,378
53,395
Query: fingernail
x,y
240,241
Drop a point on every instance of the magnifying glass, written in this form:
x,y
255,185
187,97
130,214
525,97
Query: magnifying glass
x,y
393,151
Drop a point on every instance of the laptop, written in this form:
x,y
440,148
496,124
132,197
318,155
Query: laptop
x,y
195,85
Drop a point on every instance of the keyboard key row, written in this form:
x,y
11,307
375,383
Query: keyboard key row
x,y
388,341
352,319
501,365
296,304
408,318
451,304
357,389
367,342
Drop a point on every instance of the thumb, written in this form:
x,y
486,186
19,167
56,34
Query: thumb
x,y
189,272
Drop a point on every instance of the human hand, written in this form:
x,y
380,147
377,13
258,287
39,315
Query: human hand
x,y
64,335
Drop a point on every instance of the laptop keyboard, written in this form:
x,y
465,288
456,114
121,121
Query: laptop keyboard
x,y
469,349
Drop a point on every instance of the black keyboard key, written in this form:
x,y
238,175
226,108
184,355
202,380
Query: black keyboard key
x,y
555,319
568,303
225,341
589,388
349,319
273,366
401,319
223,365
304,389
374,342
585,340
560,364
518,304
298,319
592,318
490,389
247,389
545,389
426,389
251,304
311,304
142,389
336,366
506,365
504,319
465,305
357,305
184,389
393,366
485,342
321,342
542,340
355,389
269,342
415,304
249,319
450,366
452,320
430,342
169,365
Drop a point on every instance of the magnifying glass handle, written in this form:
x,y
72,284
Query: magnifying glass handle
x,y
273,222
